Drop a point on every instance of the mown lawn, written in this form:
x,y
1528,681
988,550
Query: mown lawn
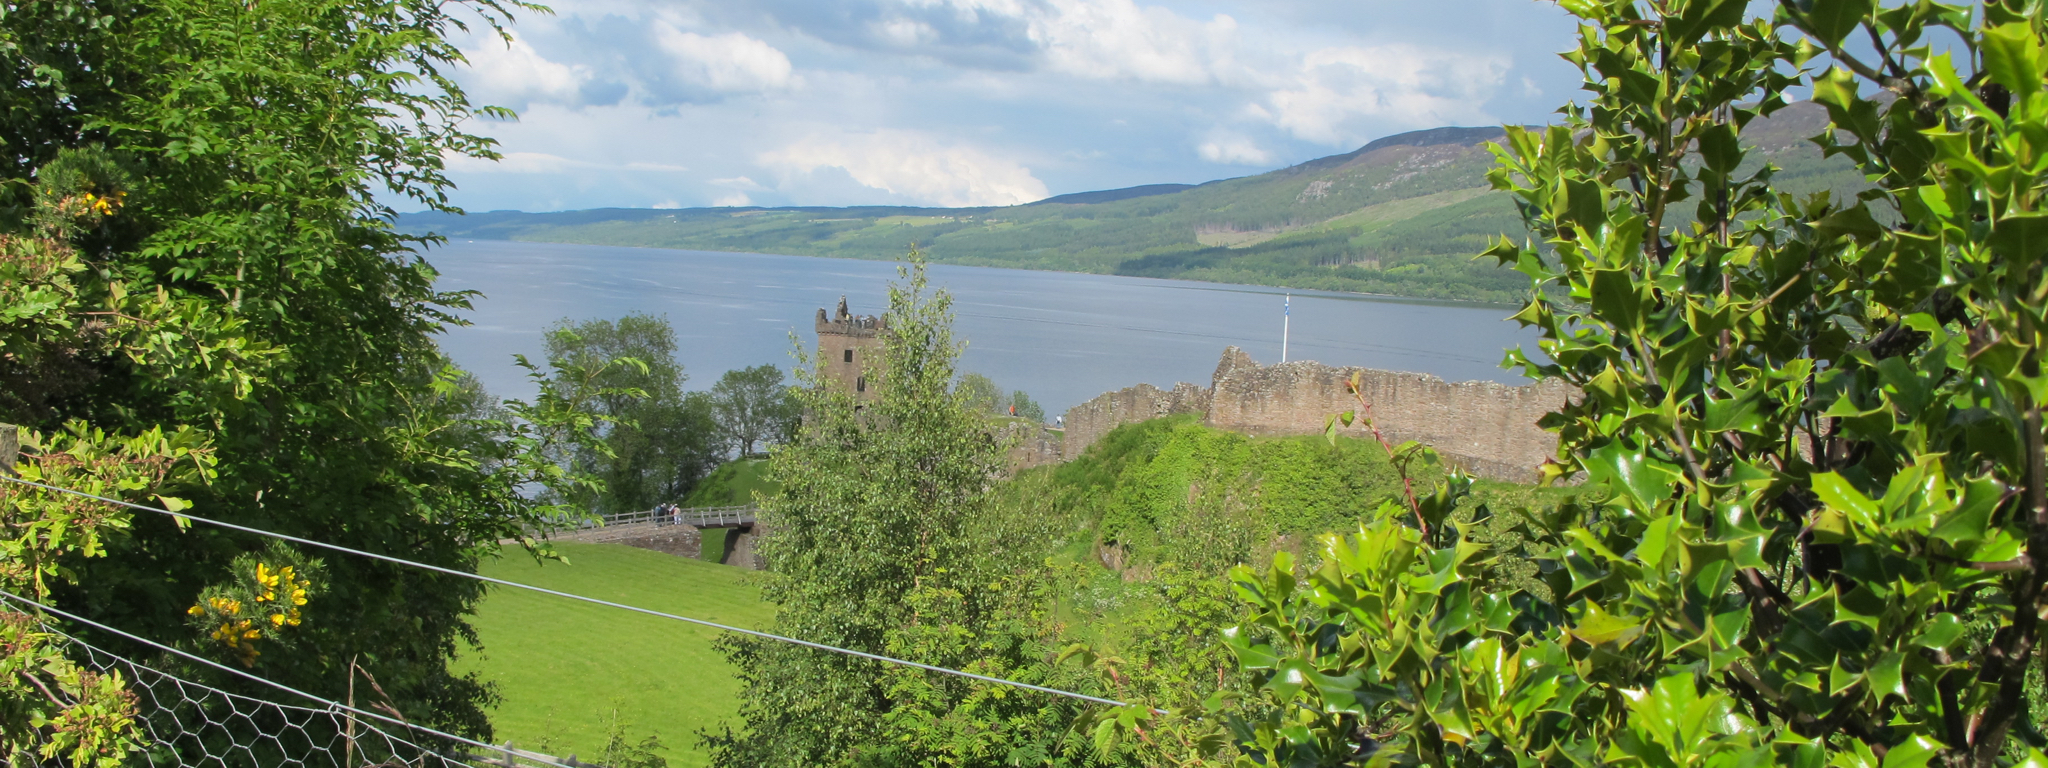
x,y
564,667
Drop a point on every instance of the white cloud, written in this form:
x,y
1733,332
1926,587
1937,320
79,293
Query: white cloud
x,y
915,166
1234,150
904,33
1103,39
1399,84
542,162
655,167
512,73
513,162
740,183
1120,39
730,63
668,205
733,200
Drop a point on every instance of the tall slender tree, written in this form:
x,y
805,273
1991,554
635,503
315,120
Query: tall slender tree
x,y
873,547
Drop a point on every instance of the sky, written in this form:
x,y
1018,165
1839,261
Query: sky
x,y
682,103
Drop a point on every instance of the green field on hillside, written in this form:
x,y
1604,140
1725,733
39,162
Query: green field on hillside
x,y
564,667
733,482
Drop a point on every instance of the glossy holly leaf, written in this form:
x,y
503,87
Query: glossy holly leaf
x,y
2022,237
1617,298
1942,632
1829,21
1887,676
1628,470
1657,539
1249,655
1739,411
1288,679
1720,149
1854,221
1915,752
1840,496
2012,56
1970,521
1599,627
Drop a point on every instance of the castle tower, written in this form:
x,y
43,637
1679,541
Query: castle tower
x,y
845,341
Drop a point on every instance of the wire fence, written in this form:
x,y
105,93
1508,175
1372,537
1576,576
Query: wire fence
x,y
189,723
186,723
189,517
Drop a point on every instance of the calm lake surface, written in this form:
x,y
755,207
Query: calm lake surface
x,y
1062,337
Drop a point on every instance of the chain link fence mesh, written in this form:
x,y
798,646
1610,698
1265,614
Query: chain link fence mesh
x,y
193,725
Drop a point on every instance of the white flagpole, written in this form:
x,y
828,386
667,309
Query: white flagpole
x,y
1286,323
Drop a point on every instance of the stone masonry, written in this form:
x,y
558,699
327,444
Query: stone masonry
x,y
1487,427
845,340
1089,421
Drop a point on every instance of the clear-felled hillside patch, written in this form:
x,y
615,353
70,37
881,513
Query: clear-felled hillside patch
x,y
563,667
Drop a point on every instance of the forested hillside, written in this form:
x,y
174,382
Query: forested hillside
x,y
1402,216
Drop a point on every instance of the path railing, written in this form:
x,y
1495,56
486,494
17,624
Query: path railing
x,y
701,517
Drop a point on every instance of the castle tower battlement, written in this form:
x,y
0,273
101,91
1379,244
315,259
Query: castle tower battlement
x,y
845,323
845,341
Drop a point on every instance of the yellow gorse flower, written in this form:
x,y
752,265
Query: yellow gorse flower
x,y
273,599
104,205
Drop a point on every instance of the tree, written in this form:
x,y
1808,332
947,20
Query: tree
x,y
753,407
1810,428
1023,407
663,440
981,393
198,238
873,546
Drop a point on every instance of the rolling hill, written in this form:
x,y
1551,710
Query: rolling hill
x,y
1402,215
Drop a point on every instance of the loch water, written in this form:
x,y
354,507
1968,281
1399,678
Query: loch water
x,y
1062,337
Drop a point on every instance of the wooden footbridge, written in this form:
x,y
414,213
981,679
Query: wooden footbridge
x,y
633,525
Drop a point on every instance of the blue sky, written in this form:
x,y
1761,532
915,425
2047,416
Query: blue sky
x,y
628,103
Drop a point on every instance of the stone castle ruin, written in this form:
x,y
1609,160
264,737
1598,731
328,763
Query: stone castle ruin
x,y
1486,427
845,340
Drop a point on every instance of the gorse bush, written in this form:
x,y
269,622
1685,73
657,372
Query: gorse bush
x,y
1813,440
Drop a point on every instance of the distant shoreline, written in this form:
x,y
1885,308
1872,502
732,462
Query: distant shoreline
x,y
1325,292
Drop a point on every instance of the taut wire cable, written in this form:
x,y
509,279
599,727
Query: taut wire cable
x,y
572,596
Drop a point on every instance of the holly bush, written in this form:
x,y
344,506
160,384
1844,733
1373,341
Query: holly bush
x,y
1810,427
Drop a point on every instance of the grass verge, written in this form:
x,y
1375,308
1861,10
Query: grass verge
x,y
563,667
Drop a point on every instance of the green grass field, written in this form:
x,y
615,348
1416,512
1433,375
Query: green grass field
x,y
564,666
734,482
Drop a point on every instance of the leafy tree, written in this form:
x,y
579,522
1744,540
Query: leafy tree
x,y
981,393
663,440
1024,407
1813,426
753,408
874,546
197,240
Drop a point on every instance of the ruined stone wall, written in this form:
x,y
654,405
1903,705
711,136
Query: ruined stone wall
x,y
1089,421
1031,445
1487,427
845,342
